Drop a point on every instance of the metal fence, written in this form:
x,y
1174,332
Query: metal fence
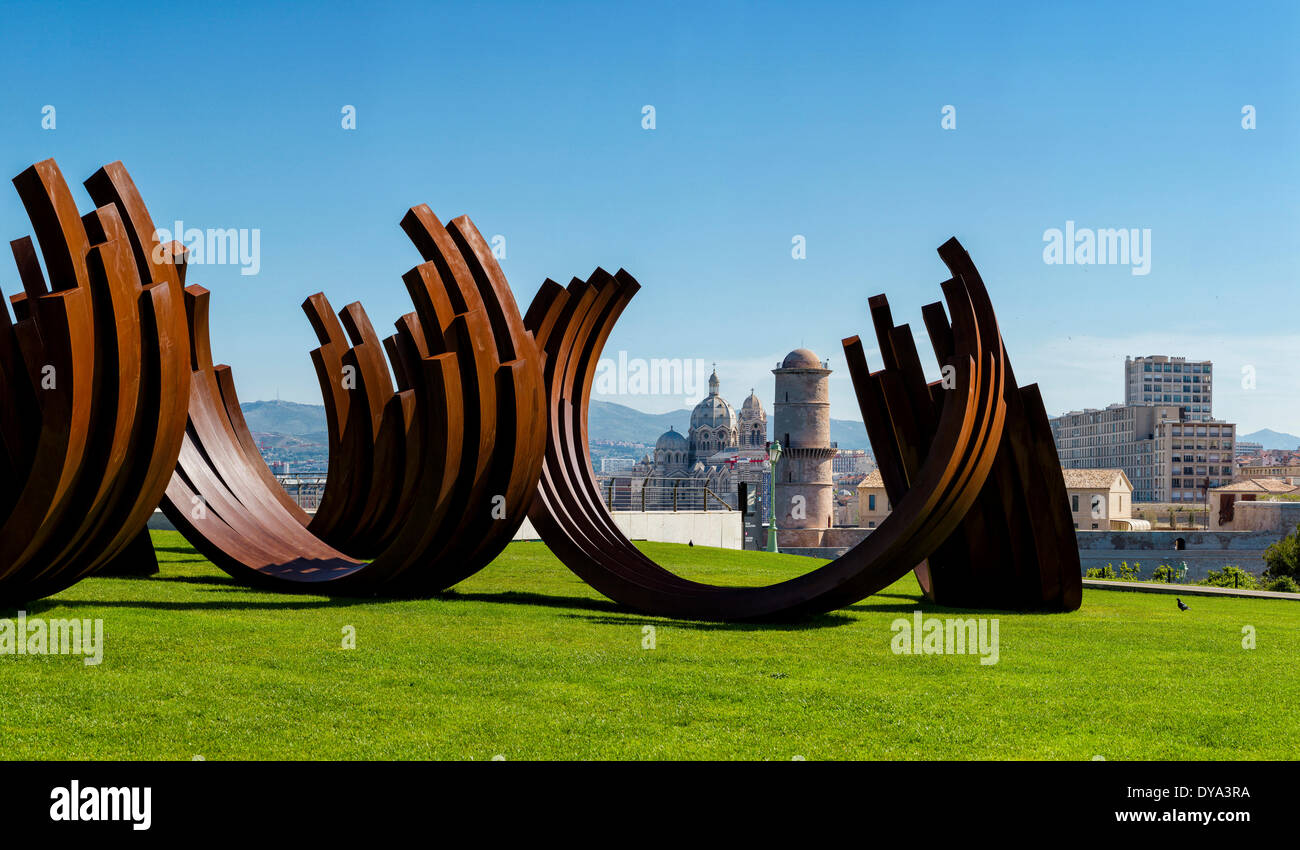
x,y
306,490
618,493
625,493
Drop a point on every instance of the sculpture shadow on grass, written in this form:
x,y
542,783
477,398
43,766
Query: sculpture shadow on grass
x,y
822,621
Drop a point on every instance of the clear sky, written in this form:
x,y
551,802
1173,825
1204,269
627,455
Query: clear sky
x,y
771,121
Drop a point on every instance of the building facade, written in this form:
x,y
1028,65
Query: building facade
x,y
1225,501
852,462
1166,457
1100,500
1162,380
873,504
1289,473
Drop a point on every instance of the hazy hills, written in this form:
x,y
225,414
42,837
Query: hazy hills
x,y
610,422
1271,439
619,423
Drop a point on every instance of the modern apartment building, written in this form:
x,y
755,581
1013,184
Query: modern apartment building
x,y
852,462
1162,380
1167,456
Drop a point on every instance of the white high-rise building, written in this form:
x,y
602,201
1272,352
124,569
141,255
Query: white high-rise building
x,y
1163,380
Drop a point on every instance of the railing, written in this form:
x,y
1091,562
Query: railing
x,y
626,493
618,493
306,490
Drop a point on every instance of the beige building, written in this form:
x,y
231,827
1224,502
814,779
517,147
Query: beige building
x,y
873,504
1100,499
1166,457
1223,500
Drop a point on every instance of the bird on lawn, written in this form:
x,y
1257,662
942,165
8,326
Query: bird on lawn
x,y
1182,606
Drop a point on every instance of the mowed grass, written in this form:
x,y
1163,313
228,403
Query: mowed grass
x,y
525,661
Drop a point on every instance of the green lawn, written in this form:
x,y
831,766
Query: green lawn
x,y
525,661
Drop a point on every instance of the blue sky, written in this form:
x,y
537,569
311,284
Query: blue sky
x,y
820,120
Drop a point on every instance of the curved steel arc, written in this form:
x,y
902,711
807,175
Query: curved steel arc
x,y
569,515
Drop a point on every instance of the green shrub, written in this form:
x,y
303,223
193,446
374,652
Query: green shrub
x,y
1282,584
1165,574
1127,573
1231,576
1283,557
1101,572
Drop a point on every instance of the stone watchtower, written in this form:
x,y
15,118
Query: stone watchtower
x,y
802,423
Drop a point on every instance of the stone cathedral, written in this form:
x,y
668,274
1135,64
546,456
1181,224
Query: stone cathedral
x,y
720,449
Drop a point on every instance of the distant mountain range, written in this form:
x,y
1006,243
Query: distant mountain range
x,y
617,423
287,418
1271,439
609,422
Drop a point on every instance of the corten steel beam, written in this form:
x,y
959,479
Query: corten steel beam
x,y
963,457
429,480
1004,554
90,374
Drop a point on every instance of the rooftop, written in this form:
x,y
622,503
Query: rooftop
x,y
872,480
1259,486
1089,479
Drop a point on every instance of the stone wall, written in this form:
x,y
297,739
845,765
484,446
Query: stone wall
x,y
1281,517
1202,551
703,528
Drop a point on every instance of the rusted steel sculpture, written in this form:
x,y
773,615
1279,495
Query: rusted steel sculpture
x,y
428,481
113,403
92,384
966,455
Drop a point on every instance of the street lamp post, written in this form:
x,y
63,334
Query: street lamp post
x,y
773,455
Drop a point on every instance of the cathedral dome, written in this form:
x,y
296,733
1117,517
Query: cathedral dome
x,y
671,441
751,403
801,358
713,412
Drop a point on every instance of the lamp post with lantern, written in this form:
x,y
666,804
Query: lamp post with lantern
x,y
773,455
